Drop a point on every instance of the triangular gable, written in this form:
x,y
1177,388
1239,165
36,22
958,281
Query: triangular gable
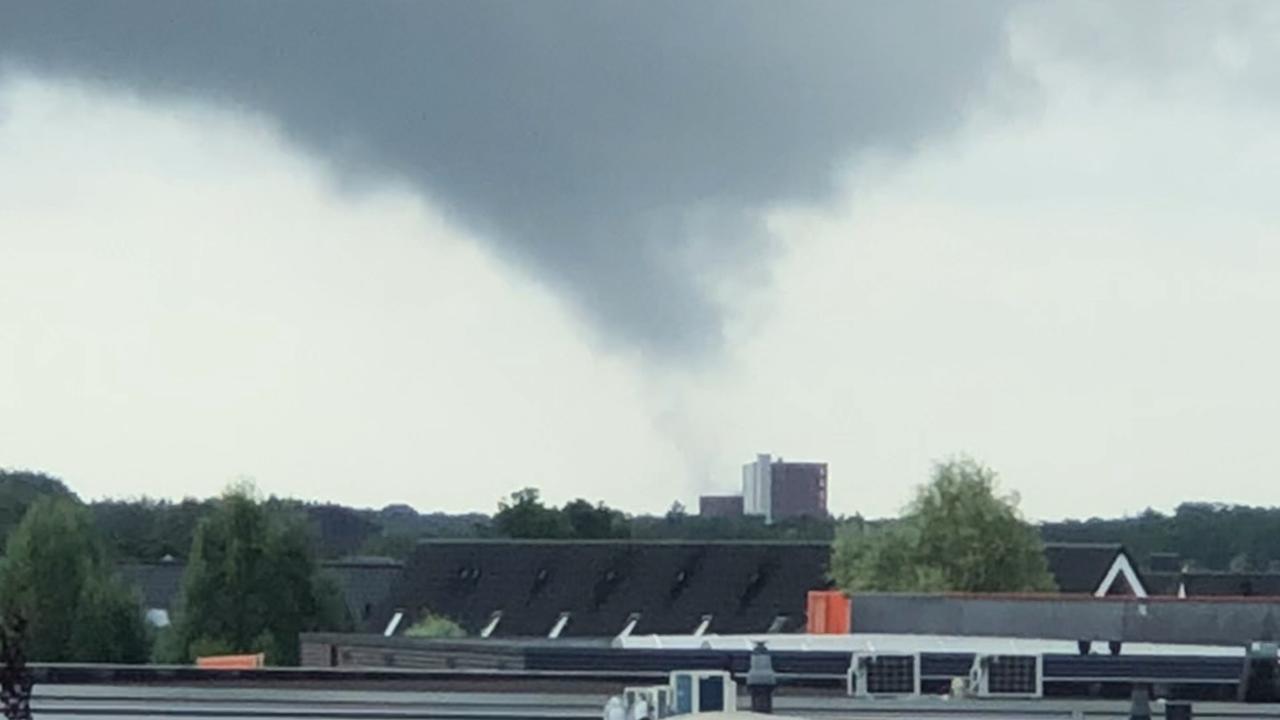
x,y
1121,579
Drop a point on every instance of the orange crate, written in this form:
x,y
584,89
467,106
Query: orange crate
x,y
231,662
828,612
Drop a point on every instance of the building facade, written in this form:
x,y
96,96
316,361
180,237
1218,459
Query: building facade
x,y
757,486
779,490
725,506
797,490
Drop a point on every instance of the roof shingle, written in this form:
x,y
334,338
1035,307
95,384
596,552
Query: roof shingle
x,y
1081,567
743,586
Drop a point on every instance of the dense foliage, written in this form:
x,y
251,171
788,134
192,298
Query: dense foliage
x,y
431,625
149,529
958,534
524,515
19,489
1211,536
57,578
251,585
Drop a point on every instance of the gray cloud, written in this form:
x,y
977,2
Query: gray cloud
x,y
1227,46
580,137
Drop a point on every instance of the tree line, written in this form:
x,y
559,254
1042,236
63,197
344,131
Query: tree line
x,y
251,584
1205,535
149,530
524,515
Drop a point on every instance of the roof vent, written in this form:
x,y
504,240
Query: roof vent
x,y
702,626
492,625
627,629
394,624
559,626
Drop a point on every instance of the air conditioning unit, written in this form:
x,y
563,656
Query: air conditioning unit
x,y
656,702
1007,676
702,691
884,675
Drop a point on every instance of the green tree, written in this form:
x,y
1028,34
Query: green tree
x,y
109,626
882,557
958,534
435,626
524,516
57,577
251,585
595,522
19,489
146,529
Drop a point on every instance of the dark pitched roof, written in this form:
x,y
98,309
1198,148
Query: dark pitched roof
x,y
1231,584
1161,583
1080,567
366,585
368,561
158,582
743,586
1164,562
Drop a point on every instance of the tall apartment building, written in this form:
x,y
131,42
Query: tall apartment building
x,y
779,490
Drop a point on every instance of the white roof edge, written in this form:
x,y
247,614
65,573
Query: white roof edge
x,y
866,642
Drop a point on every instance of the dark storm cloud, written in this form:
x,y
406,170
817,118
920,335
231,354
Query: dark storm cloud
x,y
578,136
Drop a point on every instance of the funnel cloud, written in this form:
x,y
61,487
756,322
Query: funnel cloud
x,y
580,139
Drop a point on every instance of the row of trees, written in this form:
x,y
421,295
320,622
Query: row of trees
x,y
150,530
146,529
524,515
1209,536
251,585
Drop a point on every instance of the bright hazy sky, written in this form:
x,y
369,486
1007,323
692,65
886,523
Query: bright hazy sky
x,y
1049,239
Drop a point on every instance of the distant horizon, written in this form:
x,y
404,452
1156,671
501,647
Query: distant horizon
x,y
690,507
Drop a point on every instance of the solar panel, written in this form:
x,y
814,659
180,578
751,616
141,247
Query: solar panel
x,y
1011,676
884,675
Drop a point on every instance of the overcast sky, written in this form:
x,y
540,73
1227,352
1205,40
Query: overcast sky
x,y
435,252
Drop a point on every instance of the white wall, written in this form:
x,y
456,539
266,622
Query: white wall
x,y
757,484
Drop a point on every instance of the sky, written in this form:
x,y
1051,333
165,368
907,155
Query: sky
x,y
436,252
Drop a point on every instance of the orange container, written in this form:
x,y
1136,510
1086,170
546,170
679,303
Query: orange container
x,y
231,662
828,612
